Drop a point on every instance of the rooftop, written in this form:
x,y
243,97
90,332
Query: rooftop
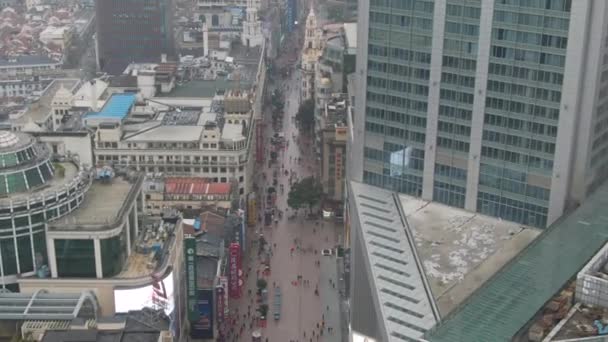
x,y
456,250
56,183
502,306
232,132
43,305
168,133
212,227
206,271
102,205
181,118
41,109
26,60
194,186
117,107
460,250
154,234
137,326
204,88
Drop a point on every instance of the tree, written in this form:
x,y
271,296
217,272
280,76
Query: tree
x,y
261,283
306,192
306,115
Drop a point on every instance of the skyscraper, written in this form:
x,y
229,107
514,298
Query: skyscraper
x,y
494,106
133,31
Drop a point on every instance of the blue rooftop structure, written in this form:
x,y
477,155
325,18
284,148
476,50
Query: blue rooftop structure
x,y
117,107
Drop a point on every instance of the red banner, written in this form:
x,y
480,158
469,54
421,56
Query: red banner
x,y
234,271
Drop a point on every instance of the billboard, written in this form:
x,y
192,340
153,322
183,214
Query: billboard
x,y
224,285
202,328
190,259
159,294
234,271
220,306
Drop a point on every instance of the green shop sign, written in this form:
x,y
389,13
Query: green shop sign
x,y
190,257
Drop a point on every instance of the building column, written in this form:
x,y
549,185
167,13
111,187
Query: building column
x,y
479,104
128,228
142,198
50,251
571,114
135,222
432,121
98,268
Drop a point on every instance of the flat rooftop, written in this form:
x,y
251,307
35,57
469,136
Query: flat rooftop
x,y
39,110
204,88
460,250
169,133
101,205
232,132
518,291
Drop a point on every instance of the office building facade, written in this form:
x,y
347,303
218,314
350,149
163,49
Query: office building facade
x,y
493,106
133,31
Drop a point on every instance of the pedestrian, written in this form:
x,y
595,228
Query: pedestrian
x,y
327,308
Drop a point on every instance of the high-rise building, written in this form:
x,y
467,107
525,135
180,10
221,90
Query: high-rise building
x,y
133,31
495,106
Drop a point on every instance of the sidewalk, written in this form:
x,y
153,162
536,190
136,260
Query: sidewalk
x,y
331,298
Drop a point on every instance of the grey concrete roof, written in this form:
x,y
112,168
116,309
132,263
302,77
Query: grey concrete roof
x,y
406,303
169,133
232,132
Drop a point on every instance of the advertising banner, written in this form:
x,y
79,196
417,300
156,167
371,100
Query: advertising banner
x,y
158,294
190,257
220,305
202,328
224,285
234,271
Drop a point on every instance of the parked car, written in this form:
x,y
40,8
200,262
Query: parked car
x,y
327,252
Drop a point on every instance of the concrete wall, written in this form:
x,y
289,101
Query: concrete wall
x,y
70,144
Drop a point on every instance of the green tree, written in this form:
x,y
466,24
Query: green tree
x,y
261,283
306,192
306,116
